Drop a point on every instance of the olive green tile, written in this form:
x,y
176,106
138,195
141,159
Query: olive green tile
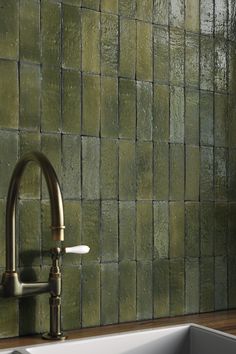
x,y
91,112
51,99
144,157
207,16
90,167
161,113
8,159
144,110
127,224
207,229
109,231
176,172
109,291
144,230
109,107
206,174
144,290
127,109
232,282
161,54
176,114
71,166
176,227
206,62
161,171
51,33
192,172
221,17
91,4
161,288
192,60
192,285
176,56
221,120
191,117
127,8
72,2
2,232
9,94
109,169
42,303
206,284
206,118
90,41
231,16
91,229
127,292
71,41
71,101
221,228
90,295
176,287
232,174
9,32
109,6
192,227
220,73
109,44
176,13
127,47
161,12
221,173
144,10
161,229
232,229
231,66
30,86
231,121
9,322
46,235
192,15
127,170
221,293
144,52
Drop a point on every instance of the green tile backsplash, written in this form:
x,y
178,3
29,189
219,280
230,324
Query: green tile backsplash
x,y
134,104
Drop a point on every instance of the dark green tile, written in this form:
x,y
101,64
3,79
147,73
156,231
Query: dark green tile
x,y
206,62
127,48
207,16
161,12
144,290
9,323
161,53
161,229
90,295
144,152
109,169
109,291
231,16
161,113
144,230
221,173
176,16
109,6
192,285
9,32
127,221
144,10
192,243
109,44
176,172
2,232
232,282
192,15
220,73
206,174
176,56
127,304
46,235
91,112
221,17
192,172
221,228
161,288
192,60
206,284
191,117
207,228
176,227
161,172
127,8
91,4
72,2
127,109
231,66
176,114
90,41
109,107
231,121
144,110
109,231
221,294
127,191
90,168
176,287
144,52
221,120
232,230
232,174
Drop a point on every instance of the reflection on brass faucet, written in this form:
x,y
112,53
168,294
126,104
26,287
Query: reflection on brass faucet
x,y
11,284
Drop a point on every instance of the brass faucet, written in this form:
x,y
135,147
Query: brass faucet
x,y
11,285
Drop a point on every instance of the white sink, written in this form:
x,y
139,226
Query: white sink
x,y
184,339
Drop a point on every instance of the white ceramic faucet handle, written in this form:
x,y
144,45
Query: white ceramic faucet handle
x,y
80,249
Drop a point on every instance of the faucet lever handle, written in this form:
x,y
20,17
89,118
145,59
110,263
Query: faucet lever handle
x,y
80,249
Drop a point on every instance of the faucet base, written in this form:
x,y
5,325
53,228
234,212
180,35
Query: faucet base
x,y
48,336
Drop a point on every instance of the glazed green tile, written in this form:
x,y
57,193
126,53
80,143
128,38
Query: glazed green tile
x,y
161,12
90,295
109,169
207,16
206,173
9,112
221,173
176,13
9,32
161,53
144,290
91,112
2,232
9,322
206,118
71,309
71,102
161,288
232,229
90,167
231,121
161,171
72,2
206,62
46,235
109,107
144,10
109,291
176,56
176,114
127,292
127,170
144,230
127,8
221,120
191,117
192,285
221,294
109,231
221,17
176,227
176,287
192,172
127,109
90,41
176,172
192,243
192,15
144,59
51,99
30,86
206,284
8,159
221,228
161,229
109,44
109,6
231,16
231,66
127,221
127,47
91,229
207,229
161,113
144,110
220,73
71,41
71,166
232,174
192,60
144,153
51,33
232,282
91,4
